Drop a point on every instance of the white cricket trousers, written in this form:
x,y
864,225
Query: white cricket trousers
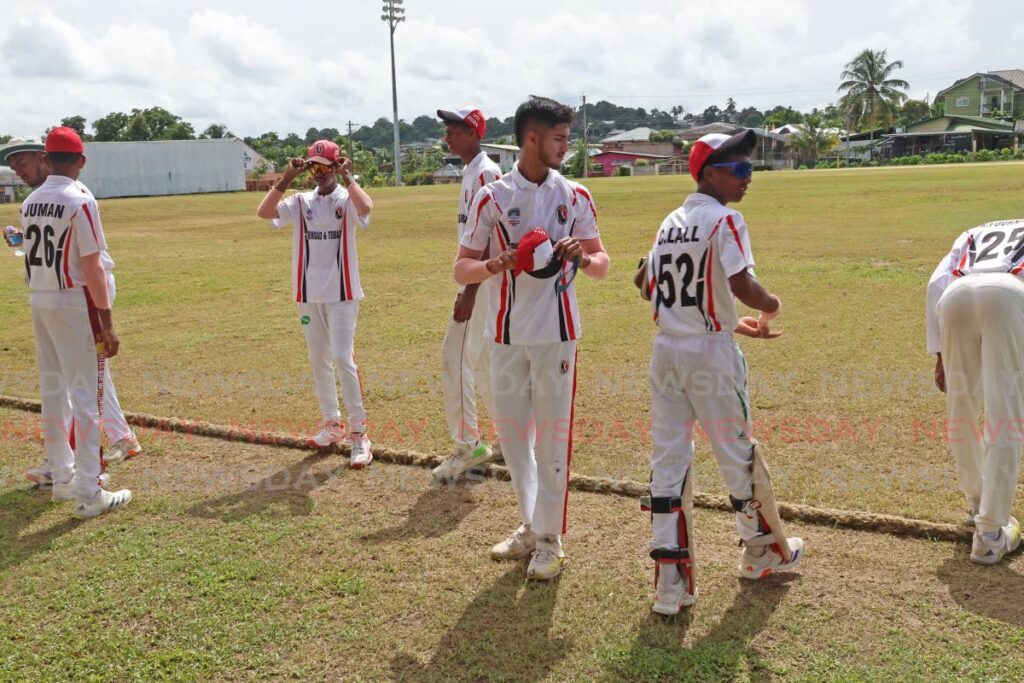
x,y
66,356
330,331
982,322
534,387
465,367
698,379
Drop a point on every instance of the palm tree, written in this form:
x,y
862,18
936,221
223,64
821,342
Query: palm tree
x,y
870,94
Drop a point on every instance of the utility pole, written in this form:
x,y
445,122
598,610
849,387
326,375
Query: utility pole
x,y
586,145
393,14
350,155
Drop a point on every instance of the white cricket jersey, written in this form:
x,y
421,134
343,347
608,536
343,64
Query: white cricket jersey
x,y
699,246
61,224
996,247
478,172
325,268
525,309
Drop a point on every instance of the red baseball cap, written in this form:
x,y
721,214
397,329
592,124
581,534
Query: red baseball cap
x,y
471,116
323,152
534,252
720,145
63,139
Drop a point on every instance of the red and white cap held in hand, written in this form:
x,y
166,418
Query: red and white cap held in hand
x,y
471,116
534,252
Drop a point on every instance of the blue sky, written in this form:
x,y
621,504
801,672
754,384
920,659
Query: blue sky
x,y
261,65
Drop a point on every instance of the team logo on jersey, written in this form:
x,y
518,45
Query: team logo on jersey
x,y
562,214
309,214
304,320
564,367
338,213
513,215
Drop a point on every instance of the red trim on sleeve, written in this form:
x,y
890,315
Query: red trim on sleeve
x,y
590,202
479,210
85,207
736,234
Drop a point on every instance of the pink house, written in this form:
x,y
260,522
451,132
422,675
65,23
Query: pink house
x,y
612,159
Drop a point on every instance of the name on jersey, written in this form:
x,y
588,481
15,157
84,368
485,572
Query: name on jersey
x,y
323,234
679,235
43,210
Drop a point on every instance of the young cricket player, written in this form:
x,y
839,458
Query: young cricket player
x,y
700,263
73,323
325,284
465,357
26,158
975,323
544,228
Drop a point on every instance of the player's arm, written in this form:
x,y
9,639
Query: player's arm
x,y
361,200
96,281
471,269
268,207
748,290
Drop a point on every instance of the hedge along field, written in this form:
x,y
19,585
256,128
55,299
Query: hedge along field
x,y
843,402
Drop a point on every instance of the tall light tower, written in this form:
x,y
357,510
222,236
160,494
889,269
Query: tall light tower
x,y
393,13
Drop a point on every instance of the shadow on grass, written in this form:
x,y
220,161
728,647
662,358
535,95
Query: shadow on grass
x,y
992,592
438,511
502,635
288,488
18,509
658,653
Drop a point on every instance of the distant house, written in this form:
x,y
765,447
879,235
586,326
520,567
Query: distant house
x,y
251,159
9,181
448,174
609,161
638,141
993,94
951,133
505,156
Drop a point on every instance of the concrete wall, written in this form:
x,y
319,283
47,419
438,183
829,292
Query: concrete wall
x,y
134,169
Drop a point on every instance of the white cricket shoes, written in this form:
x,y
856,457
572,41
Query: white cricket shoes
x,y
547,560
69,490
760,561
100,502
123,449
464,458
672,591
360,454
330,433
990,551
520,543
40,476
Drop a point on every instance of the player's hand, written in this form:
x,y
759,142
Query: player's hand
x,y
343,166
765,318
940,374
568,248
748,327
463,310
506,260
110,342
295,167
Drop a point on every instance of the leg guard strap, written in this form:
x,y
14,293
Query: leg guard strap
x,y
661,504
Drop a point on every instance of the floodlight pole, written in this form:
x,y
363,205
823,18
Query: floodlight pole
x,y
586,144
393,13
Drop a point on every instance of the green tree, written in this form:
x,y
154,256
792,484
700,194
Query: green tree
x,y
750,117
913,111
111,127
711,114
870,94
76,123
138,128
780,116
814,139
216,131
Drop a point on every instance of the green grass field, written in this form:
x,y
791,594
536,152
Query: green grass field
x,y
334,576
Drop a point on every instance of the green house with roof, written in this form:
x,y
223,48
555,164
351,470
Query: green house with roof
x,y
993,94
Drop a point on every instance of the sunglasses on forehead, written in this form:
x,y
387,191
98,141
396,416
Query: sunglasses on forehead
x,y
742,170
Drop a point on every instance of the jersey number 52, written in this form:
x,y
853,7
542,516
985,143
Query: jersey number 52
x,y
684,272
